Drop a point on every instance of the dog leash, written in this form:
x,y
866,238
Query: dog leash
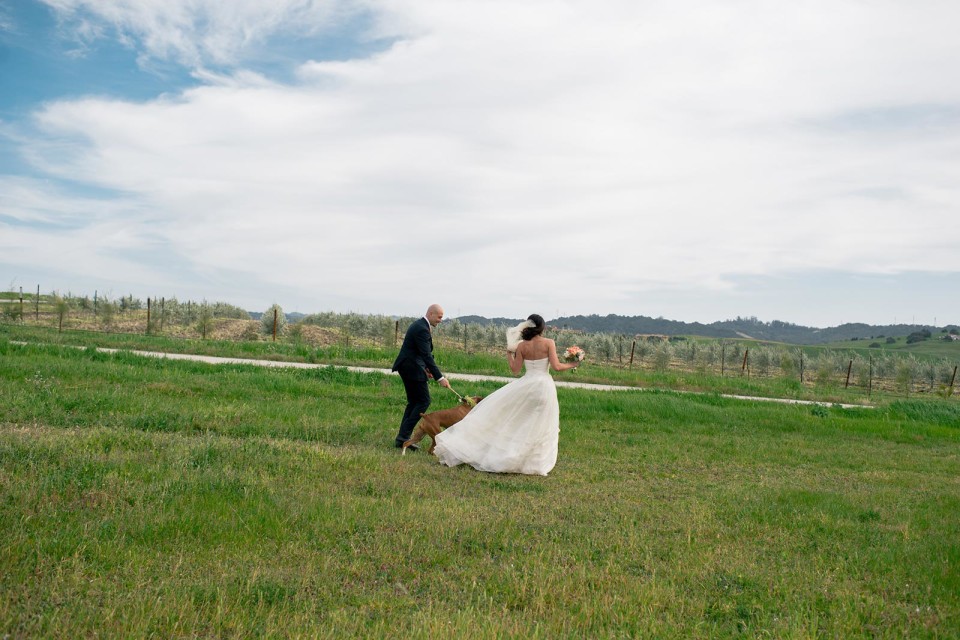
x,y
468,400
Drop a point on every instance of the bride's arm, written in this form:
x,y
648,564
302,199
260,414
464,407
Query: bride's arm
x,y
515,360
555,360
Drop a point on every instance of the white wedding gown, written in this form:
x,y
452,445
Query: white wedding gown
x,y
516,429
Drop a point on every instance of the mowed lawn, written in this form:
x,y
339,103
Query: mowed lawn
x,y
151,498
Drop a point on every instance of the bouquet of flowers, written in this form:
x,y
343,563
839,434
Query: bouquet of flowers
x,y
574,354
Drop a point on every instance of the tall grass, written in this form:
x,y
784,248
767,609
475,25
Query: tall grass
x,y
141,497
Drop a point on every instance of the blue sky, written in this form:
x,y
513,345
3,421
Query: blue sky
x,y
692,160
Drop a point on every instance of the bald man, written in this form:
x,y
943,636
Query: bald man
x,y
415,365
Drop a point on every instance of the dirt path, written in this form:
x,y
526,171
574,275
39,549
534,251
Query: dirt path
x,y
460,376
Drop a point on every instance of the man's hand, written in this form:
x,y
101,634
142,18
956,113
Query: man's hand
x,y
443,382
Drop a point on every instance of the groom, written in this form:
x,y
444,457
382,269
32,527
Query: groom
x,y
415,365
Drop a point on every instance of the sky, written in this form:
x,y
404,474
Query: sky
x,y
687,159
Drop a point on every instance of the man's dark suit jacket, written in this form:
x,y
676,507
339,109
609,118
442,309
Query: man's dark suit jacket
x,y
416,352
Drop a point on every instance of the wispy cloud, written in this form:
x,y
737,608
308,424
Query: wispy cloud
x,y
199,33
6,22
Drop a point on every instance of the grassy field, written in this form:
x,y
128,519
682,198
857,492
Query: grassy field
x,y
935,347
141,497
847,372
452,358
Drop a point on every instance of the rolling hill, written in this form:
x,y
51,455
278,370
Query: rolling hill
x,y
775,331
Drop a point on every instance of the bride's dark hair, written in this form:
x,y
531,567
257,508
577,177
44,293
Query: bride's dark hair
x,y
537,328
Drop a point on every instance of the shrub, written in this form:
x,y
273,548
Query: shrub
x,y
662,356
61,307
266,321
205,320
906,372
296,333
762,361
251,333
12,311
224,310
708,357
130,303
788,365
107,312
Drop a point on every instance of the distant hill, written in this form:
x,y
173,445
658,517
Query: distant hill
x,y
774,331
747,328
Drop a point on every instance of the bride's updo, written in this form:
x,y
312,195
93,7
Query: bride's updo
x,y
537,329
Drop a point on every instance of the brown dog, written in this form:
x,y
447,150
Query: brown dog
x,y
433,423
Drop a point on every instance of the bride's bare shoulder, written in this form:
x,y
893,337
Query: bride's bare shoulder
x,y
540,347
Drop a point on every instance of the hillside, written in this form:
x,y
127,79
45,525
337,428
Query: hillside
x,y
774,331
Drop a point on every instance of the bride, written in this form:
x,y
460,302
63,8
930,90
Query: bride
x,y
515,429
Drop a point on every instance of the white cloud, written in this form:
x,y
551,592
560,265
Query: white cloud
x,y
511,154
197,32
6,22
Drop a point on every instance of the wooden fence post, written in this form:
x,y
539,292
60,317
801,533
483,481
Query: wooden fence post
x,y
632,348
801,366
396,331
148,316
274,324
952,379
744,367
723,358
21,305
162,301
849,369
38,303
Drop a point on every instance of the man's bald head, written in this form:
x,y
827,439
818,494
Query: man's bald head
x,y
434,314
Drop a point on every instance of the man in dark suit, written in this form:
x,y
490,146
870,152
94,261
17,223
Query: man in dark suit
x,y
415,365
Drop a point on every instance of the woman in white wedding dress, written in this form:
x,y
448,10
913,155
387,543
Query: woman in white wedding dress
x,y
516,429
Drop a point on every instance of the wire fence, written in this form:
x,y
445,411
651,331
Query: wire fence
x,y
868,370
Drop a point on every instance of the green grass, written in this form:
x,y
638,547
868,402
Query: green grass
x,y
141,497
934,348
928,350
450,359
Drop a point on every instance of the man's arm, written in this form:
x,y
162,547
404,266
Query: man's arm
x,y
423,350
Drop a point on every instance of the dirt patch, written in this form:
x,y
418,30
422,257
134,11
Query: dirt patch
x,y
227,329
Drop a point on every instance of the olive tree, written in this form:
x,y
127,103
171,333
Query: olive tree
x,y
205,320
267,320
61,307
